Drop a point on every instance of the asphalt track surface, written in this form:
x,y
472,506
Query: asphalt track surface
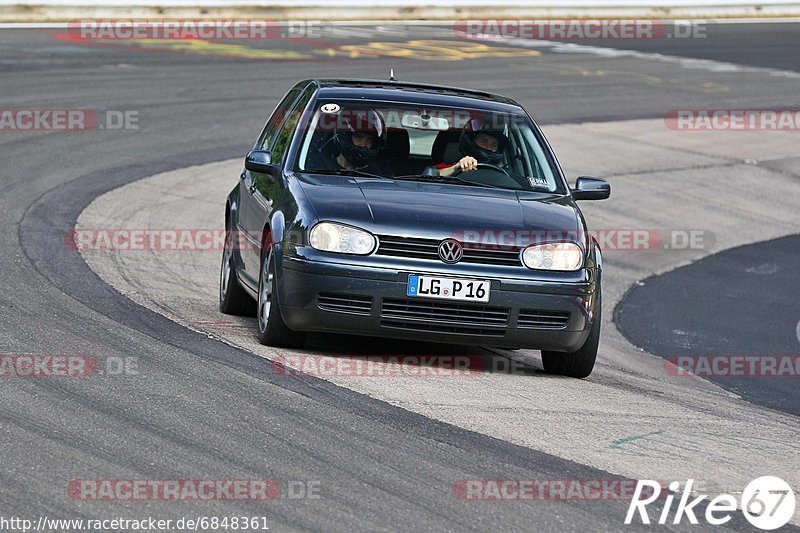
x,y
764,45
741,282
203,409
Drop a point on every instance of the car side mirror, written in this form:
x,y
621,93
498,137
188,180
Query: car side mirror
x,y
259,161
587,188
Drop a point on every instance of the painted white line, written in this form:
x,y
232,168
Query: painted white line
x,y
541,4
685,62
33,25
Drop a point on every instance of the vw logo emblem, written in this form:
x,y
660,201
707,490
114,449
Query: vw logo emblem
x,y
451,251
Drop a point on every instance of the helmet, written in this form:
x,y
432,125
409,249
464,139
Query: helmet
x,y
363,121
468,146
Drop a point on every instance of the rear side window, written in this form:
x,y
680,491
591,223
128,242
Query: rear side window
x,y
284,137
267,136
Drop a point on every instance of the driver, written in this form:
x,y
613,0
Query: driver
x,y
480,144
359,137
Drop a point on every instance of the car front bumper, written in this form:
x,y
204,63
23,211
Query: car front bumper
x,y
368,299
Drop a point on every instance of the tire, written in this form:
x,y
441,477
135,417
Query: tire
x,y
580,363
272,330
233,300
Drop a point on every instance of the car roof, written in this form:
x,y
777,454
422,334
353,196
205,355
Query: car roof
x,y
398,91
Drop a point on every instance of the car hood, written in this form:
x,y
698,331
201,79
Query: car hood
x,y
436,210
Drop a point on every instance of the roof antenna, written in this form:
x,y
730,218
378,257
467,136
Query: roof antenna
x,y
391,75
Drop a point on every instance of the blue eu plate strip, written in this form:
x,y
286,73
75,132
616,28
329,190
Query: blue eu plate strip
x,y
413,281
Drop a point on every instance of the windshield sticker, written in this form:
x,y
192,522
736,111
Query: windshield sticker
x,y
538,182
330,108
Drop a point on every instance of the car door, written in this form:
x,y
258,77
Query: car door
x,y
249,254
263,188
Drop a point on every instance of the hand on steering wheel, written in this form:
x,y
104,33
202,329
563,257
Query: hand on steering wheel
x,y
483,165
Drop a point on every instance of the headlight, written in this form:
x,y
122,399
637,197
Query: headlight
x,y
553,256
332,237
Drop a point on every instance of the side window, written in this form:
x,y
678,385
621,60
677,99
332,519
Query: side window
x,y
267,136
284,137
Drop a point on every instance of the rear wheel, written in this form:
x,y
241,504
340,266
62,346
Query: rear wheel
x,y
272,330
580,363
233,300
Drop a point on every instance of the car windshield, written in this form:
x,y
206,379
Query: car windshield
x,y
416,143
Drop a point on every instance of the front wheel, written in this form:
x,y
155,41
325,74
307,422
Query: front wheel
x,y
272,330
580,363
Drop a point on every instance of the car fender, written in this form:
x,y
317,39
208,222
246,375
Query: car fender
x,y
598,276
232,222
598,256
232,207
275,231
273,236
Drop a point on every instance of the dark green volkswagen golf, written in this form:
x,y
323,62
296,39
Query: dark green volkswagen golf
x,y
405,210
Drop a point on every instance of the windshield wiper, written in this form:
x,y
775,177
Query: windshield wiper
x,y
345,172
443,179
409,177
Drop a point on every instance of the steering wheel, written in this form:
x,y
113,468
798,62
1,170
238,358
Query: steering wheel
x,y
485,166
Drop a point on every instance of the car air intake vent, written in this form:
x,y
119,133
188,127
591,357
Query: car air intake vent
x,y
345,303
442,328
444,317
429,249
536,319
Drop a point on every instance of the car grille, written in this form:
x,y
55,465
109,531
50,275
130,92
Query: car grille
x,y
429,249
345,303
444,317
536,319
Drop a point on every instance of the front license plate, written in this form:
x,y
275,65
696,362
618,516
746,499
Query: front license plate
x,y
469,290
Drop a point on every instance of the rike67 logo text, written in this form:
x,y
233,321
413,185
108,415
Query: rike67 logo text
x,y
767,502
